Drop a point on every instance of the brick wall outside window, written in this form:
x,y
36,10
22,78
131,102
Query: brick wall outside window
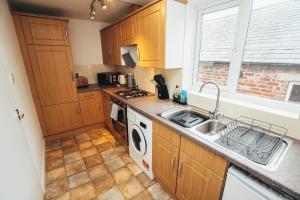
x,y
264,80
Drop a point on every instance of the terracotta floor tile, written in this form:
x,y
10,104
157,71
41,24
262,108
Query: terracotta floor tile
x,y
120,150
134,169
65,196
104,147
122,175
75,167
78,179
114,164
54,154
92,160
54,163
105,132
95,134
67,142
85,145
109,154
53,145
103,183
99,140
70,149
83,192
55,174
110,138
82,137
112,194
126,158
145,180
97,171
56,189
89,152
143,196
157,193
69,158
131,188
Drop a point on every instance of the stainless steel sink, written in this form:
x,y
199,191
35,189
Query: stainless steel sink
x,y
171,113
210,127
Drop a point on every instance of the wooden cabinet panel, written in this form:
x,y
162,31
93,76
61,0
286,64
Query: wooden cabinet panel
x,y
166,133
207,158
44,31
53,72
106,46
91,108
115,45
62,117
106,110
165,162
128,31
151,36
196,182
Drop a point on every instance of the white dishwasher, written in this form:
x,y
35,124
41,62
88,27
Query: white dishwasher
x,y
240,185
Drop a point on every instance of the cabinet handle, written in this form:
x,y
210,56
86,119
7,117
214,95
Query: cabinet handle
x,y
173,159
72,76
66,32
180,168
78,109
138,53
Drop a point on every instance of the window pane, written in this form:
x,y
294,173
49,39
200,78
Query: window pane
x,y
217,36
271,57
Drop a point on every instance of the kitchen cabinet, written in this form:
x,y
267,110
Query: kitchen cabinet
x,y
106,110
185,168
196,182
165,155
128,31
53,69
91,107
106,46
115,45
45,31
62,117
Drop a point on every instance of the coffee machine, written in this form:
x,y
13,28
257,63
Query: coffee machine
x,y
162,89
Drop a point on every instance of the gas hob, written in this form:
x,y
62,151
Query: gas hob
x,y
130,94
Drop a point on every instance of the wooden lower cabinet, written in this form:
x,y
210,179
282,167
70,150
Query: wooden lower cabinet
x,y
165,163
62,117
196,182
91,108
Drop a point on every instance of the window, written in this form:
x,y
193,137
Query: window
x,y
252,49
216,45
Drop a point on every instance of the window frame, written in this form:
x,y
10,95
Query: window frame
x,y
235,67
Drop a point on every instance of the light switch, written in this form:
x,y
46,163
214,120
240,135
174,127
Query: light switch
x,y
12,78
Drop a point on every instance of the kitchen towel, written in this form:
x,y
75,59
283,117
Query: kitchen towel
x,y
114,111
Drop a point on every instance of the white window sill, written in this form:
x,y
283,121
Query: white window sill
x,y
266,109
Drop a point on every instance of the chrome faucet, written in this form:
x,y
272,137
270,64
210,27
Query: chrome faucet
x,y
215,114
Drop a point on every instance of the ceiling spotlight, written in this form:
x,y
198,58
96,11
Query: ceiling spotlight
x,y
92,17
93,10
103,4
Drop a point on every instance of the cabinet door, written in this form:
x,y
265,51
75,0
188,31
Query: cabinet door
x,y
106,46
196,182
106,110
91,108
53,72
151,36
127,31
115,45
44,31
165,162
62,117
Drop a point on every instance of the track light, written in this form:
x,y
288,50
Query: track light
x,y
93,8
103,4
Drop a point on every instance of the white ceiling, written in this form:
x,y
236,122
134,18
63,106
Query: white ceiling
x,y
79,9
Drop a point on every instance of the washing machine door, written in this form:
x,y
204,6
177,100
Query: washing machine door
x,y
138,140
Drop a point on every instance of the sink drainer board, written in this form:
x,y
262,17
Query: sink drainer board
x,y
253,139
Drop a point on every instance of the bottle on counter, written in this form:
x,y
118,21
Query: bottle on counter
x,y
176,94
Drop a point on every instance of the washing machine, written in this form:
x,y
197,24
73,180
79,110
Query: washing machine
x,y
140,141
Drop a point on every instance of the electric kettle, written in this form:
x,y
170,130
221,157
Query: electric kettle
x,y
122,79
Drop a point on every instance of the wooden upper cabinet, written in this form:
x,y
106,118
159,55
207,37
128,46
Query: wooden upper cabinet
x,y
128,31
151,36
115,45
91,108
45,31
62,117
52,67
106,46
196,182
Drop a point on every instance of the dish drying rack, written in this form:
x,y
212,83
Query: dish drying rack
x,y
254,139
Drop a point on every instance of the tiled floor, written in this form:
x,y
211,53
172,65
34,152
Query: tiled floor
x,y
95,166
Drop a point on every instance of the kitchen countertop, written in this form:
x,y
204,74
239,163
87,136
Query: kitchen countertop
x,y
285,178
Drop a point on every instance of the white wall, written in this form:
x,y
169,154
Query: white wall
x,y
86,48
14,62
